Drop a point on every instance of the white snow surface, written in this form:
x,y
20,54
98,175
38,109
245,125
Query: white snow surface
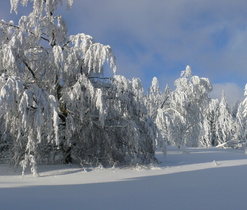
x,y
187,178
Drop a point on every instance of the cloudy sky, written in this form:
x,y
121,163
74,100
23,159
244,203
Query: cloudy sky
x,y
160,37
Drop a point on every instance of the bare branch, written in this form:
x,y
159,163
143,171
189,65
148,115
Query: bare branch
x,y
163,104
65,44
29,68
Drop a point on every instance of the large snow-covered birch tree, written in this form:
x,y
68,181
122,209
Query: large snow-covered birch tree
x,y
56,103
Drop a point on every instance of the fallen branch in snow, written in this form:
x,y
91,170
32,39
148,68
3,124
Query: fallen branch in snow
x,y
221,145
225,143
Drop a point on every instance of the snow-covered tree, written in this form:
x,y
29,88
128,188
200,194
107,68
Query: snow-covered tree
x,y
161,118
208,135
154,98
234,109
225,126
242,118
187,104
138,132
155,101
55,101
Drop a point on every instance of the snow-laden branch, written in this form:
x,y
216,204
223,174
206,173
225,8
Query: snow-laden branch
x,y
39,5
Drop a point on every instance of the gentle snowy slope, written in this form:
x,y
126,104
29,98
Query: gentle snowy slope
x,y
188,178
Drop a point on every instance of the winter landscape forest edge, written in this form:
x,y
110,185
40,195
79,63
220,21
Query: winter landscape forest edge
x,y
58,107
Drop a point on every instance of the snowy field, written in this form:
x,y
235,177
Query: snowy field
x,y
188,178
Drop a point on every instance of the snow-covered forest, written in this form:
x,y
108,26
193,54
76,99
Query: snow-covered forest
x,y
57,106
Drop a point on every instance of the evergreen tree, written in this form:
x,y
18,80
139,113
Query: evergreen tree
x,y
225,126
154,98
208,132
242,118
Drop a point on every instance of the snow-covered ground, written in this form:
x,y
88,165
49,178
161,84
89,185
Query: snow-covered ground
x,y
188,178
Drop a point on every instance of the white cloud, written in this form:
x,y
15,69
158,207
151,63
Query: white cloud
x,y
179,31
232,91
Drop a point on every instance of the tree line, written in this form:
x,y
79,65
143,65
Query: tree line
x,y
58,107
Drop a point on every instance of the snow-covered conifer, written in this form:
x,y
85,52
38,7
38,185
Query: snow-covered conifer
x,y
154,98
242,118
208,135
225,126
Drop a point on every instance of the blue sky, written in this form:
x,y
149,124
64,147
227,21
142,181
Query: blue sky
x,y
160,37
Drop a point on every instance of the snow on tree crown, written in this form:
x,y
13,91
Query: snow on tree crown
x,y
38,5
187,72
245,90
